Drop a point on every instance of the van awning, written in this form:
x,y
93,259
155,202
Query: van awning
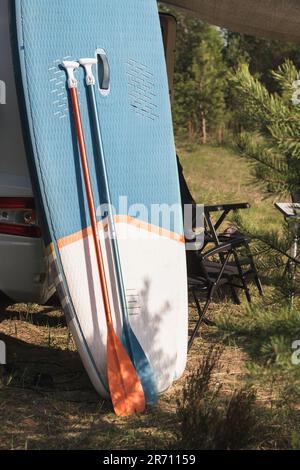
x,y
275,19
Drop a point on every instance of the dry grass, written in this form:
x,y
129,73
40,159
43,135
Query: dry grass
x,y
210,419
47,401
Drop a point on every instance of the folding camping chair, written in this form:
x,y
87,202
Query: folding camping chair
x,y
213,236
245,264
206,277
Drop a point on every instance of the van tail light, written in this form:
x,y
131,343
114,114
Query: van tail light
x,y
18,217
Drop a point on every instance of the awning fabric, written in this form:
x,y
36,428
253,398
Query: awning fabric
x,y
275,19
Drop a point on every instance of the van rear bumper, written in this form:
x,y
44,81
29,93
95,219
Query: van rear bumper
x,y
24,273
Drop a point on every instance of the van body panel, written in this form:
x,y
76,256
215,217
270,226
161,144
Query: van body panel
x,y
23,266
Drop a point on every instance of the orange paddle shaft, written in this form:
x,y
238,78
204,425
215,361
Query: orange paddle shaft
x,y
91,203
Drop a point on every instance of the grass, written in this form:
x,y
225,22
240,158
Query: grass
x,y
47,401
210,420
217,175
267,331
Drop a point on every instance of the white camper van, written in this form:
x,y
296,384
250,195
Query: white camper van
x,y
24,274
23,267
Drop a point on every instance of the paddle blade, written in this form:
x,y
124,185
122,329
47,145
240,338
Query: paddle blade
x,y
126,390
141,363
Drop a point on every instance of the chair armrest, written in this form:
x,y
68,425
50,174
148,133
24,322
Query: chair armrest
x,y
227,207
223,248
224,238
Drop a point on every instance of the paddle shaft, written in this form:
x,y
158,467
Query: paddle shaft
x,y
113,233
91,204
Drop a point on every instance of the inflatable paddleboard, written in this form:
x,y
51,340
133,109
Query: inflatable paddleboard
x,y
135,118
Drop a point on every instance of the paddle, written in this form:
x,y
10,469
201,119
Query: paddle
x,y
129,340
124,384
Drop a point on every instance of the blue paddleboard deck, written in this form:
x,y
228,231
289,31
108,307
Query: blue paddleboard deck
x,y
138,141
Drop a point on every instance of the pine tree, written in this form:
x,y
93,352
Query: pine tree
x,y
189,31
276,120
209,82
272,143
199,101
262,56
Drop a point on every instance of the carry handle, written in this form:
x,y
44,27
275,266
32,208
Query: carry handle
x,y
103,70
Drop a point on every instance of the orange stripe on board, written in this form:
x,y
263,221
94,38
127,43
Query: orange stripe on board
x,y
124,219
121,219
76,237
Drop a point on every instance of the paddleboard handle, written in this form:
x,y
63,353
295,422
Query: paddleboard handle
x,y
70,67
87,64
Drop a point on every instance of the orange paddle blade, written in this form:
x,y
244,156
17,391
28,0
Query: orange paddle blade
x,y
124,384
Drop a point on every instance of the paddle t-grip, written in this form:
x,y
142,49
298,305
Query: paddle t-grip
x,y
70,67
87,64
